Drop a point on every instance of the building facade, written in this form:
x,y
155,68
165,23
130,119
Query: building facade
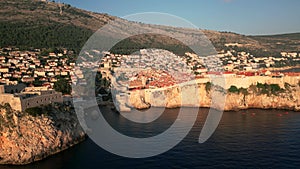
x,y
30,97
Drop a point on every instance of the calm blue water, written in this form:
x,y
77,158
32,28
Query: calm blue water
x,y
242,140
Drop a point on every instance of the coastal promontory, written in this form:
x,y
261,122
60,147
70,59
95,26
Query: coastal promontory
x,y
30,136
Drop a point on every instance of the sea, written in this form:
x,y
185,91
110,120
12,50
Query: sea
x,y
253,138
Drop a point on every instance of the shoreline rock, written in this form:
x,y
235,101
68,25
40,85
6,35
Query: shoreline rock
x,y
27,139
172,98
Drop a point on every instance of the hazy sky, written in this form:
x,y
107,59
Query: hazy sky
x,y
241,16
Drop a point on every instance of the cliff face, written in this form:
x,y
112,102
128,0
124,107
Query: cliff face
x,y
234,101
25,138
198,96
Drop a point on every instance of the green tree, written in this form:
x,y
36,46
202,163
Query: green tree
x,y
233,89
37,83
62,85
34,111
275,89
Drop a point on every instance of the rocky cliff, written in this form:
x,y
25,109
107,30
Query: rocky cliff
x,y
27,138
198,95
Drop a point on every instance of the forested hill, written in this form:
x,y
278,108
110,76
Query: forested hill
x,y
33,23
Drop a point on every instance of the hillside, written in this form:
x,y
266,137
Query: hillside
x,y
290,42
38,24
32,23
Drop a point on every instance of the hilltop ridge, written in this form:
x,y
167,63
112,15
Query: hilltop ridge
x,y
33,23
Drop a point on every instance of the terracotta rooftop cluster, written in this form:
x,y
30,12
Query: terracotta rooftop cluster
x,y
151,79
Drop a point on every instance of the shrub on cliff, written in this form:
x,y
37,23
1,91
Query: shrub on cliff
x,y
6,118
34,111
288,86
275,89
269,89
243,91
219,89
262,88
208,86
233,89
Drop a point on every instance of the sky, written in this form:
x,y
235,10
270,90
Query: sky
x,y
249,17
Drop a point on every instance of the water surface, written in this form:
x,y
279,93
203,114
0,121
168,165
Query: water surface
x,y
245,139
